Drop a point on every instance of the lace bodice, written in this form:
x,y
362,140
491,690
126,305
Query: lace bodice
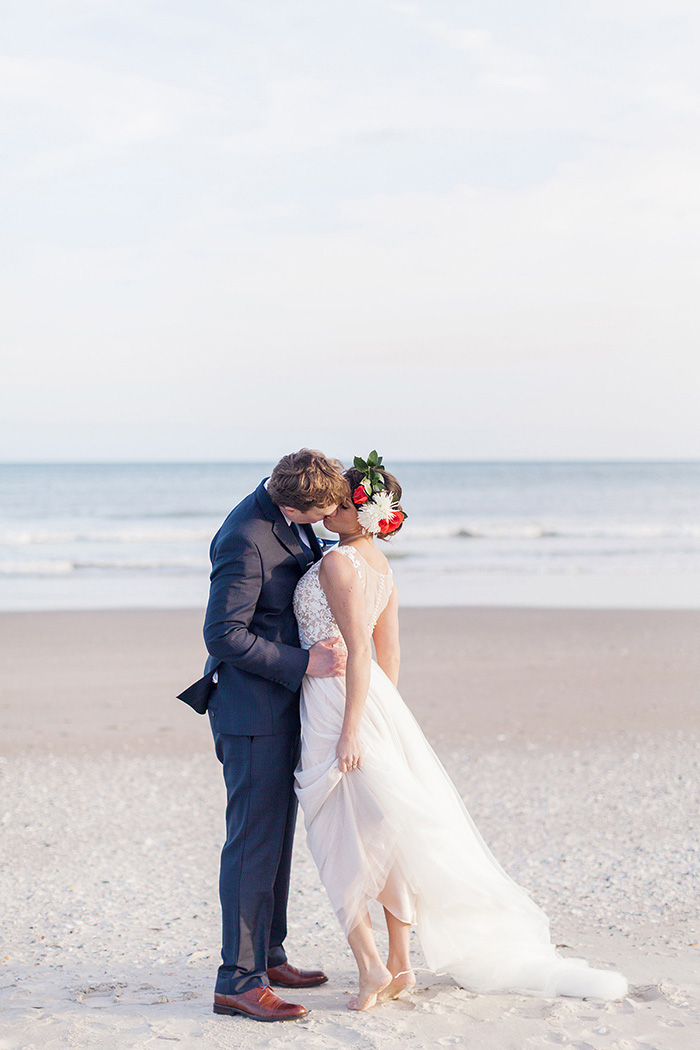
x,y
311,607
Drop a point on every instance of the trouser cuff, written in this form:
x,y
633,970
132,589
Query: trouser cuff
x,y
238,985
276,956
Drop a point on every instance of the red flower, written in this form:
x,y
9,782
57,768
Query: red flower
x,y
359,496
391,524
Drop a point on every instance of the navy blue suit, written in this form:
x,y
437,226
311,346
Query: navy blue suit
x,y
253,643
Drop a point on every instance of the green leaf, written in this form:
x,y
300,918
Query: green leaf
x,y
360,464
373,458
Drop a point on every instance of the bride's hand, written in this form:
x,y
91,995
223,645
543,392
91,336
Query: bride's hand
x,y
348,752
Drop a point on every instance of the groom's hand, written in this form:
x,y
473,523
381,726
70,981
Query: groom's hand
x,y
327,659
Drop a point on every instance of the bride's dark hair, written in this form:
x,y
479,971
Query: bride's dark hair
x,y
354,478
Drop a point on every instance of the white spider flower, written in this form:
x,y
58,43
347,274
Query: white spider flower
x,y
379,508
385,502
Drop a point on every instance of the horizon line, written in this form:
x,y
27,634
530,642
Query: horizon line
x,y
262,462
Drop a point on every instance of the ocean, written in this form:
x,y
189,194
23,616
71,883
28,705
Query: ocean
x,y
607,535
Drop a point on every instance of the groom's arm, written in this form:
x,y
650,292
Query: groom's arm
x,y
236,583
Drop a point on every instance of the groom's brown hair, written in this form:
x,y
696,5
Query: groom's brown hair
x,y
306,479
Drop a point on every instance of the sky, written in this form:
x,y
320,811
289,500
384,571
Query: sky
x,y
445,229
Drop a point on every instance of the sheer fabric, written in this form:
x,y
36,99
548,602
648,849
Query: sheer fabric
x,y
396,830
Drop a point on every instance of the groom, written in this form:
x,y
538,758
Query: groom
x,y
253,680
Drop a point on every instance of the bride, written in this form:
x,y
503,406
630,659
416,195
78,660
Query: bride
x,y
384,821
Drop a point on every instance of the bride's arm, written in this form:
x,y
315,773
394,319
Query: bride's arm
x,y
343,589
386,639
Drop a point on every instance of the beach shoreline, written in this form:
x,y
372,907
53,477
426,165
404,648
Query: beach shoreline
x,y
107,680
572,735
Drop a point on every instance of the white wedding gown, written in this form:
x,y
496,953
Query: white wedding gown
x,y
396,831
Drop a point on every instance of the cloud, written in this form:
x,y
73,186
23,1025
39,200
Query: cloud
x,y
65,114
336,192
636,11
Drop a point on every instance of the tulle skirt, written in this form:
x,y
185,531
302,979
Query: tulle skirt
x,y
395,830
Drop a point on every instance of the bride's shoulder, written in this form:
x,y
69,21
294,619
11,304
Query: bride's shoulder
x,y
341,563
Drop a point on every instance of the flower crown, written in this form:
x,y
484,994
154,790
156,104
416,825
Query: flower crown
x,y
378,511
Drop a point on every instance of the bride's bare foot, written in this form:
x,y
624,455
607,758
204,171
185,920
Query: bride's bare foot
x,y
372,984
399,983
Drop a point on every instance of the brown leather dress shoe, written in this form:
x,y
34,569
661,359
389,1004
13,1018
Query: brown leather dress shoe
x,y
261,1004
289,977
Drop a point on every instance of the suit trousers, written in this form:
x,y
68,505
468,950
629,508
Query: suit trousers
x,y
257,856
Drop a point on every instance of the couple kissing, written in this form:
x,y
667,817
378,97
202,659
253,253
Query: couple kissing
x,y
303,713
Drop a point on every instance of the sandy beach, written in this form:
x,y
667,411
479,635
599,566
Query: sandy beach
x,y
572,735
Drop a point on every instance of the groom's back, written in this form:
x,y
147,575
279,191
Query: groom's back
x,y
243,519
253,577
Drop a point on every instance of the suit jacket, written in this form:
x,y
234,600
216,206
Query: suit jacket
x,y
249,629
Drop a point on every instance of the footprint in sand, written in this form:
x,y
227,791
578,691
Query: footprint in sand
x,y
99,991
645,993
